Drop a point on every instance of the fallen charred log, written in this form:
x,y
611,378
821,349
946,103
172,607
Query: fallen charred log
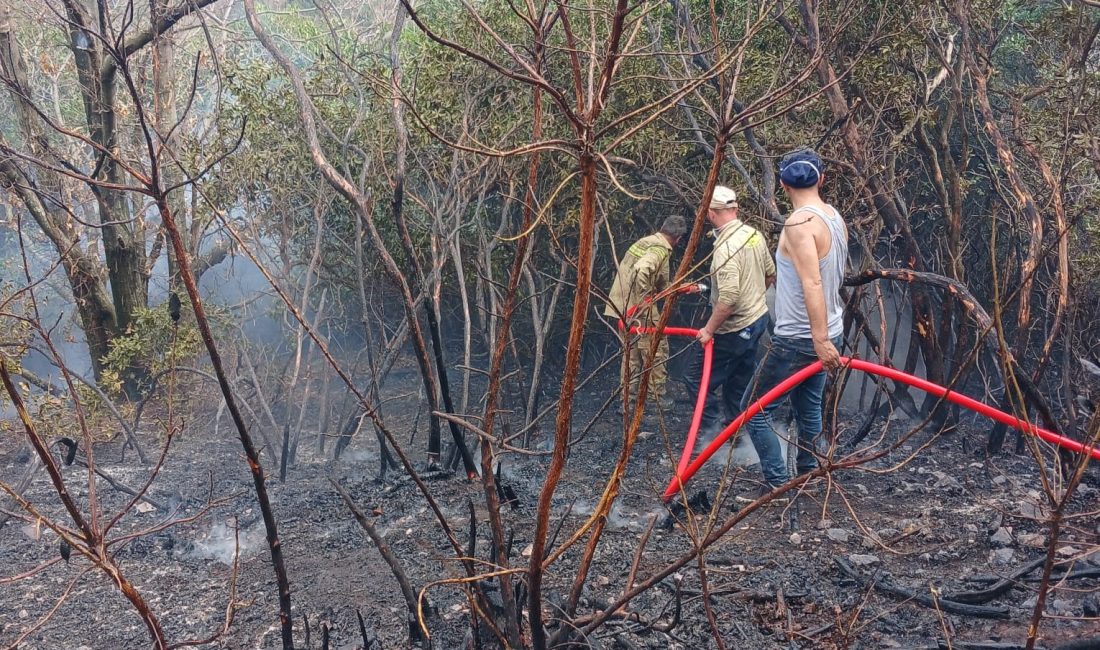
x,y
1003,585
943,644
999,588
886,586
1092,643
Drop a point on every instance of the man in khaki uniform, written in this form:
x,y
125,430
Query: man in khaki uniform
x,y
643,272
741,272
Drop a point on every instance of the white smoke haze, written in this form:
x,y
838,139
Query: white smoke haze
x,y
360,454
236,284
219,543
621,517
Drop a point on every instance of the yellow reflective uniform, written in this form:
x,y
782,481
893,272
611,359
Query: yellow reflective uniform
x,y
643,271
740,264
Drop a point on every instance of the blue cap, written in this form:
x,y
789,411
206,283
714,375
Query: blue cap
x,y
801,169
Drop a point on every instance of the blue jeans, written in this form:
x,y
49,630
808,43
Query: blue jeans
x,y
733,358
786,357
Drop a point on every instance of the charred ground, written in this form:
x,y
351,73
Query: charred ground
x,y
944,522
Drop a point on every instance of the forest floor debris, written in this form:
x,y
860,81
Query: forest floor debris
x,y
876,562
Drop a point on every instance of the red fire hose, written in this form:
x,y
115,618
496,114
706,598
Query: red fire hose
x,y
683,476
686,468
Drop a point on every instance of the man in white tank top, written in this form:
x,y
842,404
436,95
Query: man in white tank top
x,y
810,262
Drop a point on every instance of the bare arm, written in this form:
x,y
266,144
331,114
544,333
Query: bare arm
x,y
802,250
718,315
769,272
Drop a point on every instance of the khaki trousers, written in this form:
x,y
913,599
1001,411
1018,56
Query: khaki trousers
x,y
634,362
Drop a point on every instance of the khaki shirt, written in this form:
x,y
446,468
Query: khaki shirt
x,y
740,264
642,272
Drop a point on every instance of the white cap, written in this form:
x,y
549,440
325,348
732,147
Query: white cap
x,y
723,198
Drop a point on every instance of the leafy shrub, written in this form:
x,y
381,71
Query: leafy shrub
x,y
151,344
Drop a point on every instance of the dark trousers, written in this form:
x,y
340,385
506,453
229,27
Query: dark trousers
x,y
732,363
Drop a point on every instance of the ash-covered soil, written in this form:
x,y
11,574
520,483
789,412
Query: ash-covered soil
x,y
946,521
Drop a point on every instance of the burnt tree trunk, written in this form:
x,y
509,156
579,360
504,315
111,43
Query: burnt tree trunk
x,y
982,319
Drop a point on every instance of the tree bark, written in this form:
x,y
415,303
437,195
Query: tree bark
x,y
104,312
123,234
589,110
41,197
443,385
1025,200
164,121
519,265
83,271
252,455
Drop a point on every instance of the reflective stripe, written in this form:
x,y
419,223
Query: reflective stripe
x,y
639,249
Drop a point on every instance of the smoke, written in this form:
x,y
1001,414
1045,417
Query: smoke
x,y
360,454
239,285
743,452
219,543
53,299
621,517
899,323
235,284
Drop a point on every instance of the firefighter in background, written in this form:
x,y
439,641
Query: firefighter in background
x,y
741,272
642,273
